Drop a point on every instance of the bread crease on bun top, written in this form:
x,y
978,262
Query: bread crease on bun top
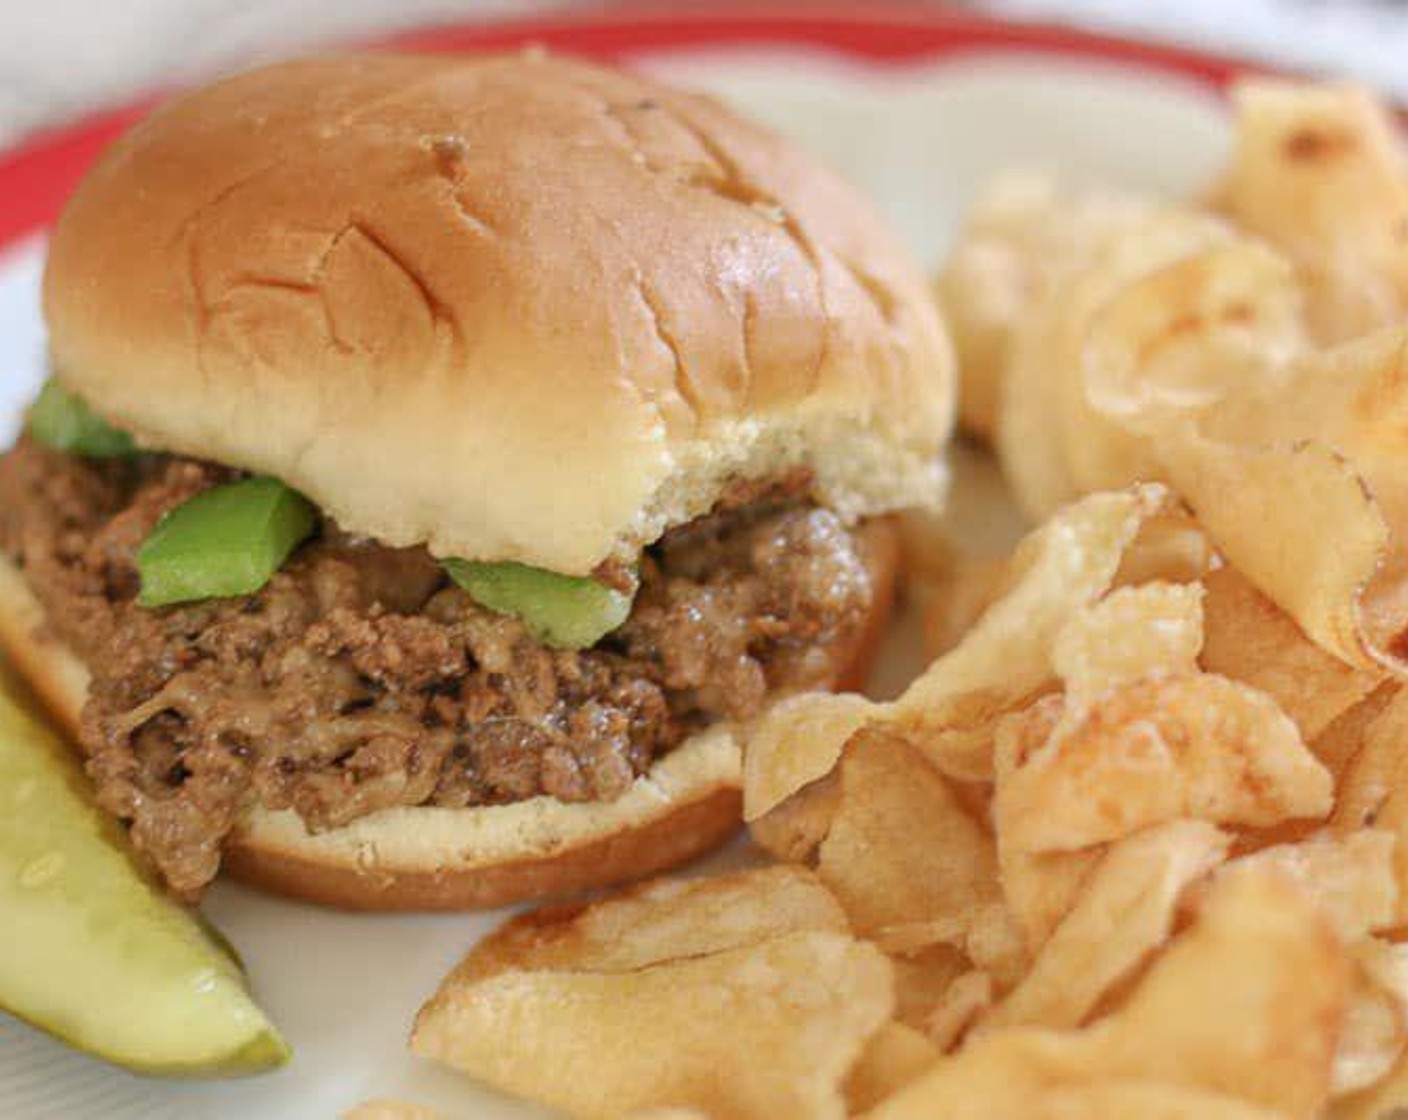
x,y
502,308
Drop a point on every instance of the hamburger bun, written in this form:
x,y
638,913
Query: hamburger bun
x,y
355,273
510,308
429,858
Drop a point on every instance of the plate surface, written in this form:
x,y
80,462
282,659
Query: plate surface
x,y
918,113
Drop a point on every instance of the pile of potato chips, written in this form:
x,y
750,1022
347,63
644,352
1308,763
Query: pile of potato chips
x,y
1252,353
1136,842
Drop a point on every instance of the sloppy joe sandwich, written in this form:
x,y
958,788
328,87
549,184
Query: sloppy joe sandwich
x,y
442,457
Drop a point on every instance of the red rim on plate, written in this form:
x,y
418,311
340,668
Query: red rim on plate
x,y
37,177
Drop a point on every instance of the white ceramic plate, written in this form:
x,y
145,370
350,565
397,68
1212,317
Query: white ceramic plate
x,y
914,115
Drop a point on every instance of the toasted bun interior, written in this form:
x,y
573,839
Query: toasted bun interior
x,y
429,858
513,307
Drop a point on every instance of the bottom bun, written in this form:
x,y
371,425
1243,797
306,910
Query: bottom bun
x,y
431,858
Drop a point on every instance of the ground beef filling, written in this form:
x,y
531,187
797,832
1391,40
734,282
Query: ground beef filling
x,y
361,678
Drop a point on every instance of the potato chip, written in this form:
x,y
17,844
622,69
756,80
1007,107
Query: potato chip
x,y
1303,489
382,1108
1171,318
1029,441
1384,1101
894,1056
902,856
785,1018
996,945
1247,419
1154,629
923,978
1179,354
671,982
797,742
1384,614
1248,638
1259,952
1371,1051
1040,888
793,830
909,864
1028,1074
1024,231
1385,964
1298,522
1053,444
1247,1001
1001,1076
1135,633
659,920
1147,1100
1124,912
1374,1030
1350,876
1175,348
1180,340
1183,359
951,710
1357,394
1341,741
1351,401
1374,790
1152,751
1170,547
959,1008
1349,397
1317,170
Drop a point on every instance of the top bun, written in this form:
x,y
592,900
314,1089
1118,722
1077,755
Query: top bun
x,y
513,307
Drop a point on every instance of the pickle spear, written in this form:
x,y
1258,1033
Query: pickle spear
x,y
91,950
567,612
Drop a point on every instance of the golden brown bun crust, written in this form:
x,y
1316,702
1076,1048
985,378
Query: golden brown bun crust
x,y
457,859
515,307
689,829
